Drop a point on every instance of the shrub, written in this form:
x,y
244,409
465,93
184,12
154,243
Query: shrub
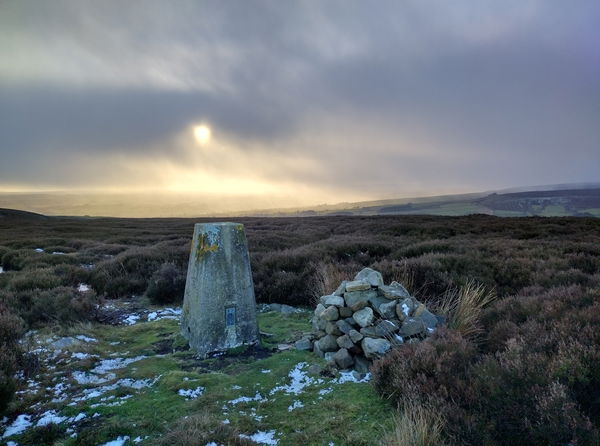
x,y
40,279
11,330
167,284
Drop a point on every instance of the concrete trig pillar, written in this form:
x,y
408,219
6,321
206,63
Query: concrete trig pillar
x,y
219,308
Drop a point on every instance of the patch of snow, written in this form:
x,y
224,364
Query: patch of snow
x,y
58,253
350,377
1,270
265,371
117,363
325,391
78,355
226,421
21,424
152,316
262,437
88,378
132,319
299,381
190,394
295,405
77,418
50,417
83,287
120,441
405,309
236,387
246,399
115,343
38,250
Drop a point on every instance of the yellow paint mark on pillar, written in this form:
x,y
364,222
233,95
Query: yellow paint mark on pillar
x,y
204,247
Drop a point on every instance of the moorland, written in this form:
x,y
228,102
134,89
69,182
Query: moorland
x,y
525,370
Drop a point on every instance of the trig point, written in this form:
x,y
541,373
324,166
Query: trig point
x,y
219,309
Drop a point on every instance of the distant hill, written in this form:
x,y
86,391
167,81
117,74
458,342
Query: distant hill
x,y
13,214
549,203
550,200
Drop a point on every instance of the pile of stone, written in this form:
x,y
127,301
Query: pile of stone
x,y
363,319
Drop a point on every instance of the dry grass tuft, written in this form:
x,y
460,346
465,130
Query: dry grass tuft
x,y
326,279
463,308
201,429
415,425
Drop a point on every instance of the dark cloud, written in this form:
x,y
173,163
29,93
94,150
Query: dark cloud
x,y
489,96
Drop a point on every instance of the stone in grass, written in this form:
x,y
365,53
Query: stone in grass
x,y
345,312
369,332
355,336
345,342
327,344
344,326
386,328
388,310
337,301
358,285
287,309
374,348
341,289
361,365
394,292
332,329
412,327
331,314
364,317
303,344
374,278
343,359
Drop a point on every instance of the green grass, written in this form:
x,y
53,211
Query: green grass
x,y
351,413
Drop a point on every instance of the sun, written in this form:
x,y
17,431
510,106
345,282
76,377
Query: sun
x,y
202,134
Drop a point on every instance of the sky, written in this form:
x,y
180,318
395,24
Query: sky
x,y
306,102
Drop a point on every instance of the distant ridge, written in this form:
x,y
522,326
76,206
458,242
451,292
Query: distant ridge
x,y
15,214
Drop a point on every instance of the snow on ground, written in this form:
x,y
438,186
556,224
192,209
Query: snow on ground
x,y
300,380
352,377
83,287
21,423
246,399
295,405
191,394
1,270
50,416
262,437
38,250
120,441
114,364
165,313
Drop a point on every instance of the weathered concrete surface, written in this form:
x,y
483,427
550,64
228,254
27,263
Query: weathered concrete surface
x,y
219,308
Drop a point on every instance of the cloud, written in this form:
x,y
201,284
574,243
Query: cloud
x,y
353,98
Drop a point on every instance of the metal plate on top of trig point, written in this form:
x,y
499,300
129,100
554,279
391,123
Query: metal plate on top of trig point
x,y
219,308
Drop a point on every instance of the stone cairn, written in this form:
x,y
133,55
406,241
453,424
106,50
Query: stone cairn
x,y
363,319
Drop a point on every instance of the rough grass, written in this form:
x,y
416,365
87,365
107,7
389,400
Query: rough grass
x,y
355,414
